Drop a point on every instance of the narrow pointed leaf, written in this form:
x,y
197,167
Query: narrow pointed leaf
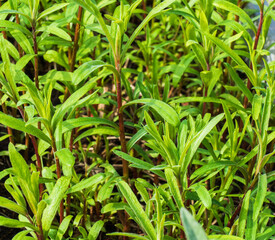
x,y
162,108
137,209
192,228
54,200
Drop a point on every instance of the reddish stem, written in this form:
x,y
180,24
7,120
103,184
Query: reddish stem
x,y
256,41
38,159
76,39
19,47
35,48
72,53
238,209
121,124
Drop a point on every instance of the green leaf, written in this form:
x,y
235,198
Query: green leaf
x,y
137,209
196,99
243,215
34,9
266,112
239,82
25,179
16,193
230,7
113,207
256,107
40,208
54,200
230,124
237,27
60,112
142,132
199,52
203,195
12,223
101,130
131,235
192,228
70,124
15,12
54,56
84,70
13,4
209,167
55,31
181,67
138,163
92,8
36,96
251,228
54,8
198,138
153,13
9,72
224,237
267,234
23,61
67,161
95,230
89,182
8,204
233,55
11,25
106,190
173,186
19,165
20,126
162,108
63,227
22,235
260,197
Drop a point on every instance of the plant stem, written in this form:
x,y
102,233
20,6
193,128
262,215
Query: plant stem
x,y
256,41
125,165
19,47
39,164
121,123
35,48
38,158
58,173
238,209
229,59
76,39
204,108
72,52
144,8
58,169
4,109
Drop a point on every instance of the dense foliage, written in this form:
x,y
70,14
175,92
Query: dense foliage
x,y
137,119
